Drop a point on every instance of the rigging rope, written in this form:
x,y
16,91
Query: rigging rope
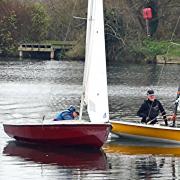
x,y
70,22
162,69
65,38
173,33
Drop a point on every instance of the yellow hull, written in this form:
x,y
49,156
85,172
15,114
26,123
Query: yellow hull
x,y
154,132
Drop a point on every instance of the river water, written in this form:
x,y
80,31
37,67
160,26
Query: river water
x,y
30,89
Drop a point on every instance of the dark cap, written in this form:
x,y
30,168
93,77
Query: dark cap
x,y
150,92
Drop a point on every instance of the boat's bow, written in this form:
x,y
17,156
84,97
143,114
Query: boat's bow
x,y
65,133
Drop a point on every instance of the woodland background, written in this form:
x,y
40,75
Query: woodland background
x,y
23,21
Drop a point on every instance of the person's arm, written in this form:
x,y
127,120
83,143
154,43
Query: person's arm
x,y
163,112
68,116
65,115
58,117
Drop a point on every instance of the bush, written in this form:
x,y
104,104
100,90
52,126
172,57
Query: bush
x,y
8,28
150,48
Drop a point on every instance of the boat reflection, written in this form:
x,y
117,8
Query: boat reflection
x,y
133,147
142,159
66,157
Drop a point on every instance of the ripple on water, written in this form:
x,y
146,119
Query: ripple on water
x,y
31,89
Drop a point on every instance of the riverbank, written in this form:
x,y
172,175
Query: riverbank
x,y
145,51
155,51
163,59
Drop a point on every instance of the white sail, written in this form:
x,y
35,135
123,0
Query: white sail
x,y
95,76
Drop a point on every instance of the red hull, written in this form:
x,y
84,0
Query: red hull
x,y
93,135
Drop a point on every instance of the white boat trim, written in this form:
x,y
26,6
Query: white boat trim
x,y
62,122
156,126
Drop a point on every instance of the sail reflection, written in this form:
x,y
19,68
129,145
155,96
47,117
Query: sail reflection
x,y
82,159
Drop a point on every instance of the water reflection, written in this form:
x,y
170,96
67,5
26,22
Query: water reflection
x,y
144,159
71,158
31,89
41,71
141,147
142,75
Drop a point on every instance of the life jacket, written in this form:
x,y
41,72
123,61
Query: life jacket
x,y
65,115
151,109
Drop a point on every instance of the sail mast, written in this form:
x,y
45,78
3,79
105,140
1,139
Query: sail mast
x,y
95,78
176,105
88,30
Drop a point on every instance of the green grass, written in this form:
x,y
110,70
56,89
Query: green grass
x,y
174,49
151,48
58,42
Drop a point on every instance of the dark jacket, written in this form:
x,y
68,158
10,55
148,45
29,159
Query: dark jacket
x,y
149,111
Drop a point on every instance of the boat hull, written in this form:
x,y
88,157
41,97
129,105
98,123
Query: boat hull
x,y
152,132
93,135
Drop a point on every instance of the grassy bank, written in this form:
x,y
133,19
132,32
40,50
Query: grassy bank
x,y
150,49
144,51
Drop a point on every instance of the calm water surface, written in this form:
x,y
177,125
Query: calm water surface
x,y
31,89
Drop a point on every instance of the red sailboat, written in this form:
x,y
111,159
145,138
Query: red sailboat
x,y
74,133
94,96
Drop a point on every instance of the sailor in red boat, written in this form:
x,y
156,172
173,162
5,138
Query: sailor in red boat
x,y
150,109
69,114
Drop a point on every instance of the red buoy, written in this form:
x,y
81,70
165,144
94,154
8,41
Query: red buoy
x,y
147,13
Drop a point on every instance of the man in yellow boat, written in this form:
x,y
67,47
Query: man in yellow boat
x,y
150,109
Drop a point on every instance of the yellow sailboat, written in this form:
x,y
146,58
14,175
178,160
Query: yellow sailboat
x,y
143,131
157,132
